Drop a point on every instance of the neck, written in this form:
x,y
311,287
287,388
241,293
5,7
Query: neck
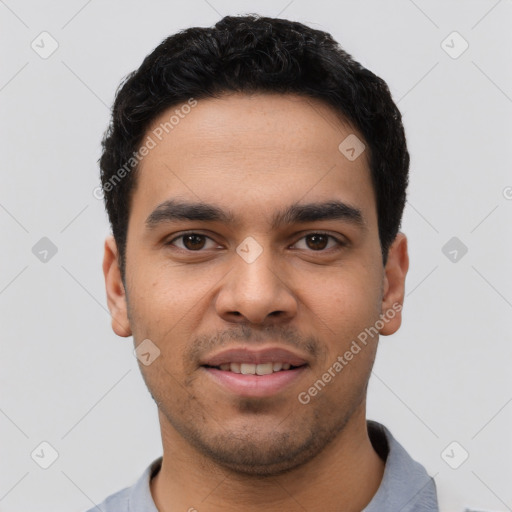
x,y
345,475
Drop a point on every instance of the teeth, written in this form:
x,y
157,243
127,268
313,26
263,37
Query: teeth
x,y
277,366
248,369
254,369
264,369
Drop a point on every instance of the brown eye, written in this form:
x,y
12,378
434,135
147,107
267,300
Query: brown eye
x,y
194,242
317,241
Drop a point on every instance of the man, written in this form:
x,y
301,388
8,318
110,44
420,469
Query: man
x,y
255,177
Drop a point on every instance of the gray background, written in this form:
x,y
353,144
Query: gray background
x,y
66,379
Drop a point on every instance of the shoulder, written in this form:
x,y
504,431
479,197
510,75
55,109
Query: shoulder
x,y
406,485
117,502
136,498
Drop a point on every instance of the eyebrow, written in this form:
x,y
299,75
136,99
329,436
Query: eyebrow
x,y
176,210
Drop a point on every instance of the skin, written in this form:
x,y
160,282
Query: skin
x,y
255,155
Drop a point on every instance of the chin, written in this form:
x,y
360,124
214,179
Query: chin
x,y
263,452
262,458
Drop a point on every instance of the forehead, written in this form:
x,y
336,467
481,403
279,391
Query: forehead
x,y
246,151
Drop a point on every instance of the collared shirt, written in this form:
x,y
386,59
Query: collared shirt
x,y
405,485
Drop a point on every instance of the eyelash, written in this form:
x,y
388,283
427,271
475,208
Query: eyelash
x,y
339,242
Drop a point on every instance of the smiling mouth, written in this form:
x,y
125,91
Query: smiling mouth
x,y
255,369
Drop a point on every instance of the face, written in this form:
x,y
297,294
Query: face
x,y
253,265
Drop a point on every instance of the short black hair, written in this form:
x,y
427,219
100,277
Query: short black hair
x,y
249,54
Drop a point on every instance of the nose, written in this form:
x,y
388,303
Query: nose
x,y
256,292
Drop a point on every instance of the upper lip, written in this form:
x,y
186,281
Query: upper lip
x,y
251,356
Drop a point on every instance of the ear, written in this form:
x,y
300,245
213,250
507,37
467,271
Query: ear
x,y
395,272
116,295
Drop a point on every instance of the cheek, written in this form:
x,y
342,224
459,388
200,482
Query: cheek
x,y
164,295
343,311
166,307
346,302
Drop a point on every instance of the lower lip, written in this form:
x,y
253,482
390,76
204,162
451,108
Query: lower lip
x,y
255,385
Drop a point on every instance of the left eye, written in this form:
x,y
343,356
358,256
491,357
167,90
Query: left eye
x,y
319,241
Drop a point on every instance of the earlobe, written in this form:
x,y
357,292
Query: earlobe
x,y
116,295
396,269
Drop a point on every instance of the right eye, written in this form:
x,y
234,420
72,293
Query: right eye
x,y
193,242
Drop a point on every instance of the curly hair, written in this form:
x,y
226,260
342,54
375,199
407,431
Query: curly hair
x,y
255,54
